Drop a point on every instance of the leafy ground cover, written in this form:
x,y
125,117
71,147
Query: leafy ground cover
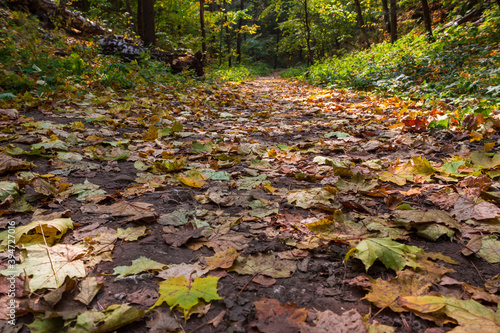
x,y
261,206
239,73
460,67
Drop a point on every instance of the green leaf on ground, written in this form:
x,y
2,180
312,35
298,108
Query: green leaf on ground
x,y
179,291
392,254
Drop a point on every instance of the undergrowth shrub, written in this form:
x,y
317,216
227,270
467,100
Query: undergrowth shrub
x,y
239,73
48,63
461,65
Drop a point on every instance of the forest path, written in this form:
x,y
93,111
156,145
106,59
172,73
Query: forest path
x,y
248,196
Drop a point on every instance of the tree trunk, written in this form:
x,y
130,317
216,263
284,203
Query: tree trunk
x,y
427,18
140,19
361,22
228,36
148,21
221,38
278,32
387,22
308,35
498,2
238,38
131,13
50,12
202,27
394,22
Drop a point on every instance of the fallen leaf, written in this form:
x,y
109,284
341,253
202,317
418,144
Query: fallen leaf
x,y
112,318
222,259
385,293
329,322
163,321
9,163
48,267
139,265
189,271
311,197
470,315
181,292
131,234
89,287
272,317
392,254
265,264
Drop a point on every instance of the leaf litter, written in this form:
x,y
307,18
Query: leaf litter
x,y
249,207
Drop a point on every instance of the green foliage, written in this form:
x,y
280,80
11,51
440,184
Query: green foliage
x,y
239,73
47,65
461,65
292,72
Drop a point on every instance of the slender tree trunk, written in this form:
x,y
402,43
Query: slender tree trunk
x,y
278,32
361,22
131,13
427,18
221,38
228,36
238,38
308,34
385,8
202,28
394,22
148,22
140,19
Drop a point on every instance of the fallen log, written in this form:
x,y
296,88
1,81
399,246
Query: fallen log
x,y
128,51
74,23
49,12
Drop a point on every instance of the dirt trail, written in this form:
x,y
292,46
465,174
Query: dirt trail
x,y
286,175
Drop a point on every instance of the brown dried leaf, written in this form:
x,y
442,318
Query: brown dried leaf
x,y
272,317
329,322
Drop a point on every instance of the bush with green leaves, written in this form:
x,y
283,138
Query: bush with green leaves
x,y
239,73
460,65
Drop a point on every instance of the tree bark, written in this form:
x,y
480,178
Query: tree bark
x,y
128,51
387,22
202,27
148,21
427,18
278,32
50,12
228,36
394,22
140,19
238,38
308,34
131,13
361,22
221,38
